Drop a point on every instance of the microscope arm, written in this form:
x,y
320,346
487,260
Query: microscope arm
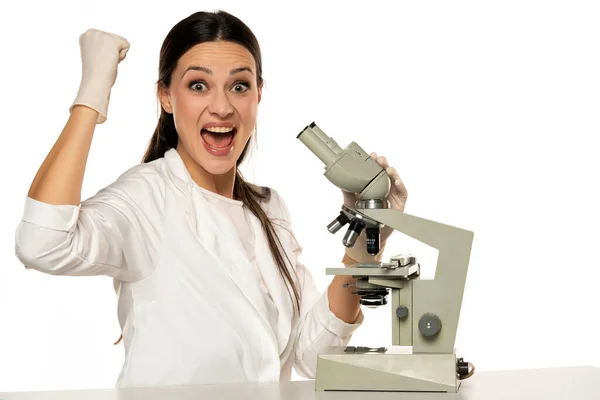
x,y
442,296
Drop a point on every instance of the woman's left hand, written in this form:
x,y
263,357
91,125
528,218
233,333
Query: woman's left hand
x,y
397,199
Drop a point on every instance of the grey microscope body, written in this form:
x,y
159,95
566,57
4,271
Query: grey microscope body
x,y
425,313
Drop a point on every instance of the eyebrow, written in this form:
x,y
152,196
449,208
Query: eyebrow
x,y
209,71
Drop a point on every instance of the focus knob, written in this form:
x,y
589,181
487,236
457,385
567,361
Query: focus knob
x,y
430,325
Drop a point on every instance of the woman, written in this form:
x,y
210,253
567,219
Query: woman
x,y
207,269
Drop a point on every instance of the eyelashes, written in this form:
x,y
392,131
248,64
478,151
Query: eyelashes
x,y
200,85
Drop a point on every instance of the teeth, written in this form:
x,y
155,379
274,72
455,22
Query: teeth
x,y
219,129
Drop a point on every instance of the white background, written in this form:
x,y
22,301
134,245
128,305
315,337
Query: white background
x,y
489,111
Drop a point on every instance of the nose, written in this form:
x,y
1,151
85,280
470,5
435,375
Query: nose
x,y
220,105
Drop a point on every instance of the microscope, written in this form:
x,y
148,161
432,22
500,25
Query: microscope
x,y
425,313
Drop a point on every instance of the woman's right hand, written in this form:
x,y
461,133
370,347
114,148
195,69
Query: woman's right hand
x,y
101,52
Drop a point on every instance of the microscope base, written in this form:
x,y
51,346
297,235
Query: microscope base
x,y
390,371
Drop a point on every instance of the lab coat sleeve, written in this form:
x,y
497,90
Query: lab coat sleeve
x,y
112,233
319,328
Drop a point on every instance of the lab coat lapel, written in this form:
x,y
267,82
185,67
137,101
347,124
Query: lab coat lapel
x,y
215,232
274,282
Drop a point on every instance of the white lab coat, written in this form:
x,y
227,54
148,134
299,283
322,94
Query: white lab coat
x,y
189,303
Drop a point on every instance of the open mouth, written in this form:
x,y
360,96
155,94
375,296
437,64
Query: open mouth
x,y
218,141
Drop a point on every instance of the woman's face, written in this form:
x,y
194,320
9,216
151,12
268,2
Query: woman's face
x,y
214,99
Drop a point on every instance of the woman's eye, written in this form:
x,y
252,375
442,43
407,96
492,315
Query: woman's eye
x,y
240,87
198,86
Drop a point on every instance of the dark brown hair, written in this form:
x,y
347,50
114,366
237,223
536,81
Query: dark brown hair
x,y
198,28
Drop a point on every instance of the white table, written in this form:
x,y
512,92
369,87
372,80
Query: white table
x,y
573,383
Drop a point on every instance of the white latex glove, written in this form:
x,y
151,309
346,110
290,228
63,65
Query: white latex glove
x,y
397,198
101,52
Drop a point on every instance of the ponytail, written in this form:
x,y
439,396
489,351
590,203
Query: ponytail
x,y
163,139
